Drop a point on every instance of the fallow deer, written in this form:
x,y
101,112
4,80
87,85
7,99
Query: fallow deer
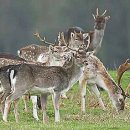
x,y
9,59
96,36
42,53
39,79
95,74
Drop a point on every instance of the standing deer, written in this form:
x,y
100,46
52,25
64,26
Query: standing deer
x,y
96,36
54,80
35,79
9,59
42,53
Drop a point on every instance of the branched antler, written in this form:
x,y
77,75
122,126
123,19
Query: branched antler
x,y
42,40
61,39
97,13
104,13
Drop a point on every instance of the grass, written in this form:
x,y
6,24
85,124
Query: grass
x,y
71,118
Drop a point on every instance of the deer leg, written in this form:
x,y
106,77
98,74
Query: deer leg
x,y
25,99
16,110
82,85
34,101
6,110
44,106
97,93
39,102
55,98
13,96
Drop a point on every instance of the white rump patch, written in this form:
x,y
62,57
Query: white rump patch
x,y
12,80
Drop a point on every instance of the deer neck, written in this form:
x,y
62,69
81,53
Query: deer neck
x,y
74,72
97,39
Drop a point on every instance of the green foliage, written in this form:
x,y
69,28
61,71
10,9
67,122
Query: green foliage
x,y
71,118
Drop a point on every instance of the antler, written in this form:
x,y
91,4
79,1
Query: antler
x,y
42,40
61,39
97,11
127,91
122,68
104,13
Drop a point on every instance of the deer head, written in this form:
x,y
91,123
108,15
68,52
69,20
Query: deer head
x,y
100,20
74,37
59,54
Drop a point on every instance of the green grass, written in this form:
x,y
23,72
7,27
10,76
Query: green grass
x,y
71,118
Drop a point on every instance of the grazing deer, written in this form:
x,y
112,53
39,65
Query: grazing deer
x,y
95,74
95,44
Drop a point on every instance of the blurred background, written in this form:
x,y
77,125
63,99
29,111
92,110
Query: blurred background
x,y
19,19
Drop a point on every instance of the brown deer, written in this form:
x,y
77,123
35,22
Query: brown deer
x,y
96,36
96,74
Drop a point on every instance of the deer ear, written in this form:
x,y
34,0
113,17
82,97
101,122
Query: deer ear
x,y
51,48
72,35
108,17
85,35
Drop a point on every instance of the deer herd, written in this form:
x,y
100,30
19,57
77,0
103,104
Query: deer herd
x,y
41,70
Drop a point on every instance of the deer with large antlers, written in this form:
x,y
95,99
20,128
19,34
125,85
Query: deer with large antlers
x,y
96,36
41,53
43,80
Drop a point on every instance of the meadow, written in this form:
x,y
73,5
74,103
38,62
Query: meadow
x,y
71,118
